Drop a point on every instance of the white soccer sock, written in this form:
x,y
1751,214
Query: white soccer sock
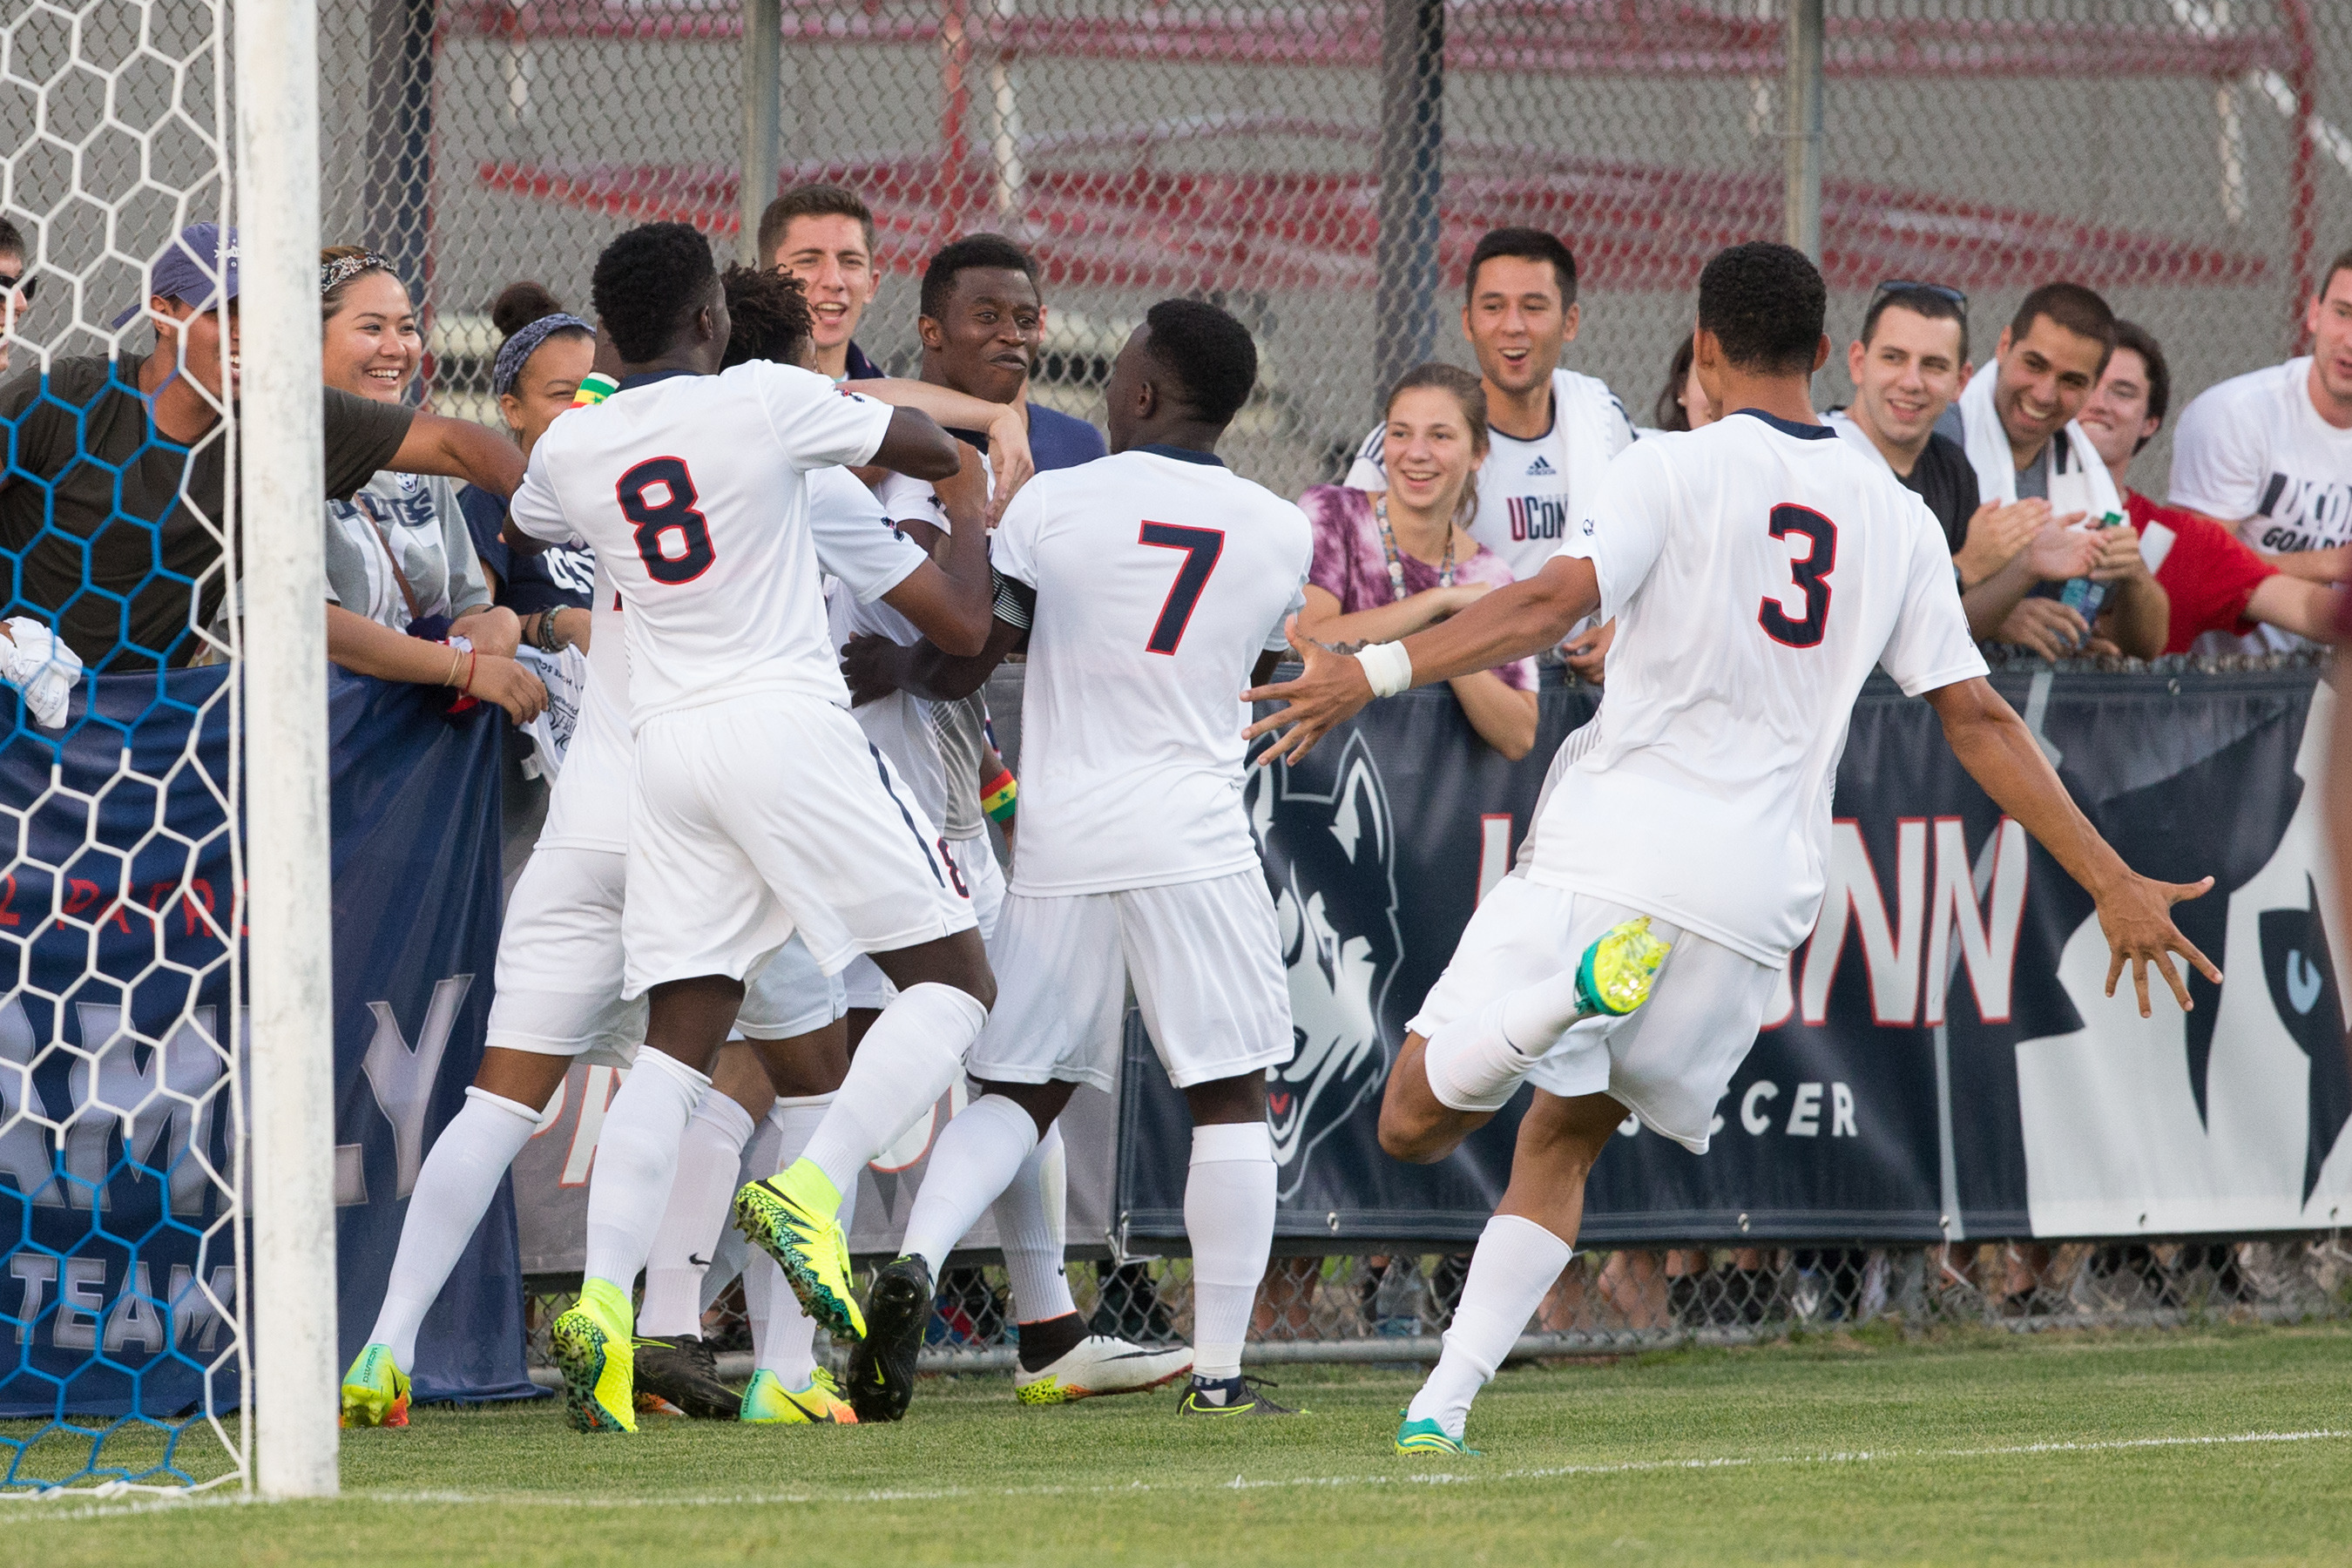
x,y
731,1254
1516,1263
975,1159
707,1158
1229,1216
908,1059
637,1155
1032,1227
453,1191
784,1337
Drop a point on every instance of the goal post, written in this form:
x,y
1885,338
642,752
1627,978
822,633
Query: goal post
x,y
290,951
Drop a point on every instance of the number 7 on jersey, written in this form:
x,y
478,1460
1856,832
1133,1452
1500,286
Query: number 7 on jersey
x,y
1202,546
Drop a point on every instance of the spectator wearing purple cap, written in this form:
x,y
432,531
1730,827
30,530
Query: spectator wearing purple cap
x,y
111,504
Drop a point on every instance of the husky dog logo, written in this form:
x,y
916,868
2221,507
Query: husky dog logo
x,y
1331,859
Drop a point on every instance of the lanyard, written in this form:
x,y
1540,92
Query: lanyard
x,y
1389,549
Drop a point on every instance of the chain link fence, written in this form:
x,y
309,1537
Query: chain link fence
x,y
1324,168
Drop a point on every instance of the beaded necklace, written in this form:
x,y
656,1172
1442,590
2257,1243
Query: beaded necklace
x,y
1396,565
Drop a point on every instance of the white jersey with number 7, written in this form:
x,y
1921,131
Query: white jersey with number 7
x,y
1160,576
1757,571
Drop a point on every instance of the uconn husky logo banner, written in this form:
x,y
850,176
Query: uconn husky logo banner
x,y
1940,1060
119,1260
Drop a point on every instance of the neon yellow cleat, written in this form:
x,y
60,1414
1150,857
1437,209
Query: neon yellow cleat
x,y
1616,973
375,1391
591,1345
790,1216
768,1403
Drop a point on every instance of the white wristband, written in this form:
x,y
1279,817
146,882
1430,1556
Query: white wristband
x,y
1387,666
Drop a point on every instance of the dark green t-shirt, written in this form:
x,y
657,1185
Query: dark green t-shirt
x,y
112,531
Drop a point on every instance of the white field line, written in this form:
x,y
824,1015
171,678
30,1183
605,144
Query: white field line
x,y
65,1509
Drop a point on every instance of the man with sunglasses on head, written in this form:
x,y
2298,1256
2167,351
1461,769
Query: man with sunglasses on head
x,y
16,288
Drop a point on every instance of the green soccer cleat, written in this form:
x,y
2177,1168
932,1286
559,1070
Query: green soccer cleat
x,y
790,1216
1616,973
768,1403
591,1346
375,1391
1428,1437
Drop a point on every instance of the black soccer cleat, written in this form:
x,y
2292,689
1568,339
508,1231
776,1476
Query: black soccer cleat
x,y
881,1381
683,1370
1232,1397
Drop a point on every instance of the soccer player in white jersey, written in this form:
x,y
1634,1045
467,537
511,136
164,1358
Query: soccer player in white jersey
x,y
1552,430
1758,570
560,967
757,811
1146,585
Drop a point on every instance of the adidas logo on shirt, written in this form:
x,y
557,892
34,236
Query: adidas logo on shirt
x,y
1542,465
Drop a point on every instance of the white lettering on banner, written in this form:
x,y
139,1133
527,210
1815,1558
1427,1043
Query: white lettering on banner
x,y
1892,949
196,1310
24,1150
36,1273
162,1109
135,1319
80,1301
1804,1110
1493,852
1892,957
595,1096
401,1078
1987,939
1756,1121
1842,1111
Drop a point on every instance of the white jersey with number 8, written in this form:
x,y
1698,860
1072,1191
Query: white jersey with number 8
x,y
1758,570
1160,576
693,490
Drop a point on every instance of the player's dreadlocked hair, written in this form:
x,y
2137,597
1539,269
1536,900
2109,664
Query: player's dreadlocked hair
x,y
771,316
1210,354
991,250
647,284
1765,303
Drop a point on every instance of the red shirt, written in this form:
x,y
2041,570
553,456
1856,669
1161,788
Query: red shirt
x,y
2202,565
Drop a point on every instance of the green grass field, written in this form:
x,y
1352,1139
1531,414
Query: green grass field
x,y
2218,1445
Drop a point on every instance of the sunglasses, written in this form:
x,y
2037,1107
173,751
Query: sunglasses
x,y
1907,285
19,283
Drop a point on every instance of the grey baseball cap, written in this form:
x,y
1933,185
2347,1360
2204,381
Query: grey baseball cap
x,y
185,269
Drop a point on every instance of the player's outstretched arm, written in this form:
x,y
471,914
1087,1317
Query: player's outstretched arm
x,y
2001,753
1006,424
950,600
1517,621
460,449
875,667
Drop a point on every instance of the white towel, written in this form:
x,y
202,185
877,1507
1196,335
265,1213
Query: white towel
x,y
2079,480
43,667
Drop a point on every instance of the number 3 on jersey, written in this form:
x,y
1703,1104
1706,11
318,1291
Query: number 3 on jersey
x,y
1202,546
673,539
1811,574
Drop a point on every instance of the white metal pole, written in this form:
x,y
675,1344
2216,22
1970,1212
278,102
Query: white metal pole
x,y
282,466
1804,132
764,89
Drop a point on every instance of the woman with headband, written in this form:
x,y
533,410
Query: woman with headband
x,y
545,353
402,575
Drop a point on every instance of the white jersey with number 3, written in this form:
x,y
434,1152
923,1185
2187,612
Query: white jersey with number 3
x,y
1757,571
693,490
1160,576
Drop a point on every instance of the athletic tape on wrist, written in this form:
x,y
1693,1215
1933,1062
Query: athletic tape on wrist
x,y
1388,667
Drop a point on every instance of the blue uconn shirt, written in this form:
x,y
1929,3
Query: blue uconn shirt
x,y
555,579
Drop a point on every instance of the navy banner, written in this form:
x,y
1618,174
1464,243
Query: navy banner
x,y
117,1134
1939,1062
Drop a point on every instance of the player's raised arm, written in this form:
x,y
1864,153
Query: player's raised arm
x,y
1518,620
2002,756
1005,424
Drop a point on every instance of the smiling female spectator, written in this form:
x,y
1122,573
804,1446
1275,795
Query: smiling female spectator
x,y
1389,562
401,569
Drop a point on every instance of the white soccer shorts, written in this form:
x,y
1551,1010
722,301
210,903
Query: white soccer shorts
x,y
1205,959
769,814
866,987
559,962
1669,1062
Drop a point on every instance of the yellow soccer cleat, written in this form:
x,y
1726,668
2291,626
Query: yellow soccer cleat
x,y
1616,973
790,1216
375,1391
768,1403
591,1345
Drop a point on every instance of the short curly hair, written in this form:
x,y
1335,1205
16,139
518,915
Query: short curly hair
x,y
1208,353
1765,303
647,282
959,257
770,314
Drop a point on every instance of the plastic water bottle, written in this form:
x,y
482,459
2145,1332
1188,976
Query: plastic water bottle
x,y
2083,594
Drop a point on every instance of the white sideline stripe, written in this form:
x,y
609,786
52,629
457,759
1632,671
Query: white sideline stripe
x,y
1239,1483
